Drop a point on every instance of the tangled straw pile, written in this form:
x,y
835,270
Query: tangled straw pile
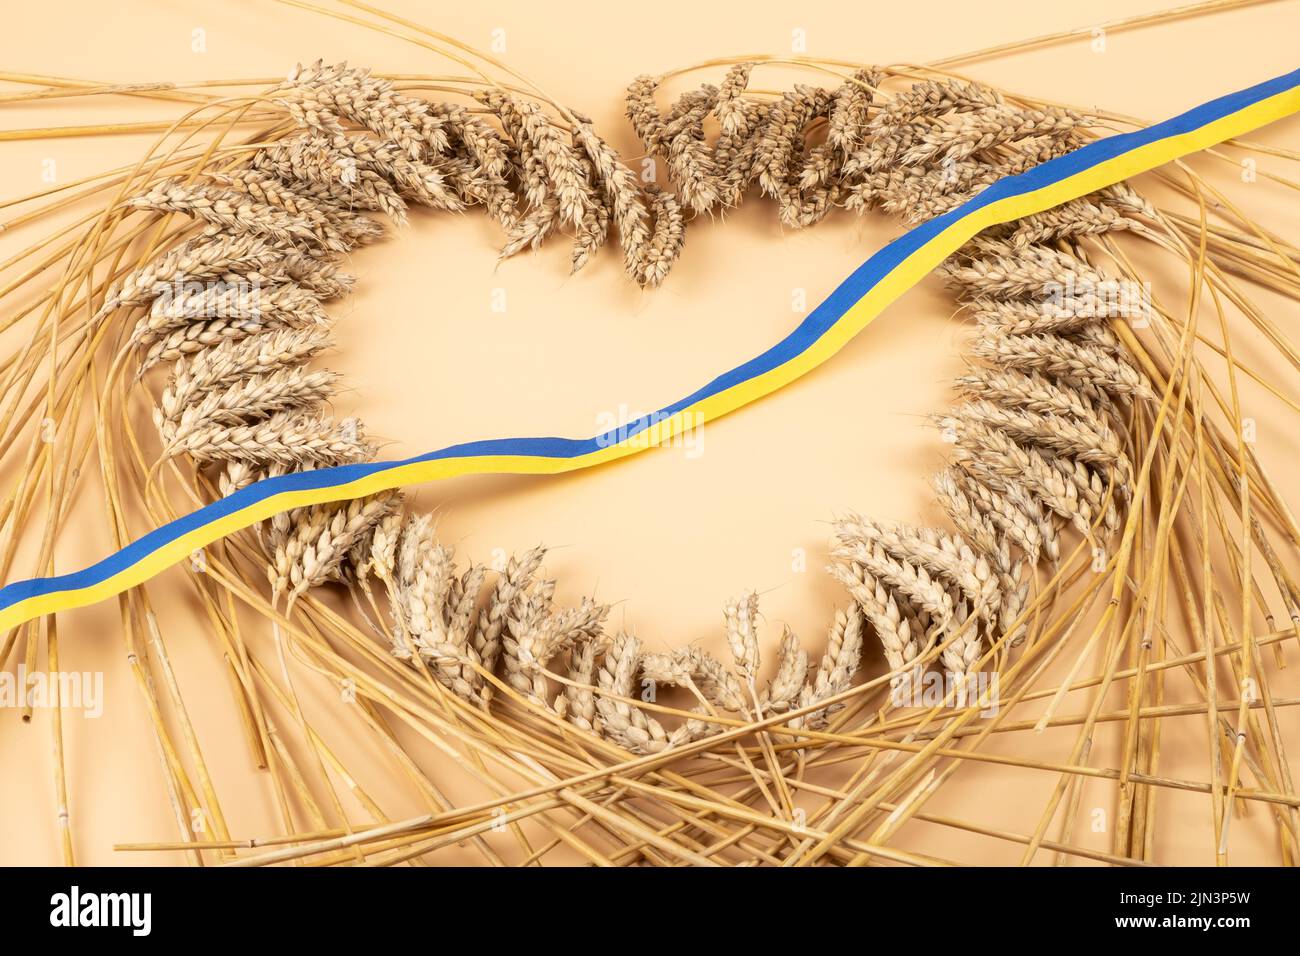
x,y
1097,477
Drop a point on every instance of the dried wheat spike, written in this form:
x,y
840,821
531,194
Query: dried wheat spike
x,y
992,541
1064,435
431,606
230,362
322,277
314,553
972,523
530,231
1024,316
234,212
998,270
1016,513
371,103
730,108
332,163
835,671
734,155
781,138
194,260
691,164
881,607
656,258
536,632
850,111
995,459
957,136
552,166
253,399
1088,216
740,618
783,691
619,721
579,705
594,230
512,584
644,114
286,438
198,336
692,667
622,195
1068,362
285,304
915,583
942,555
902,119
333,224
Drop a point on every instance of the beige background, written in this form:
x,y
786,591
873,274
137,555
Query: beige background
x,y
428,363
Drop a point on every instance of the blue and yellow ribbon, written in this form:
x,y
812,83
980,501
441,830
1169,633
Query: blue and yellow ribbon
x,y
845,312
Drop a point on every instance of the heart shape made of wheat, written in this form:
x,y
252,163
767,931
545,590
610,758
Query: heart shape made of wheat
x,y
1084,421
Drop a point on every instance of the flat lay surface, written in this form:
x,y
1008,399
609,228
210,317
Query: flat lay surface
x,y
441,343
